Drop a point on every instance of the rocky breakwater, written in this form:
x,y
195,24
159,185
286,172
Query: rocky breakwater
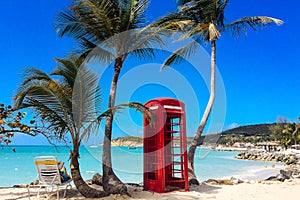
x,y
288,159
291,160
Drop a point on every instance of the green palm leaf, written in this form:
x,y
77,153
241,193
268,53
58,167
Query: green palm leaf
x,y
258,22
93,22
55,100
95,124
181,54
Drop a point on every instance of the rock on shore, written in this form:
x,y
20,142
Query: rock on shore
x,y
292,160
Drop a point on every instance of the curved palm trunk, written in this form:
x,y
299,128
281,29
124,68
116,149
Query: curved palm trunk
x,y
197,137
111,183
295,138
296,133
80,184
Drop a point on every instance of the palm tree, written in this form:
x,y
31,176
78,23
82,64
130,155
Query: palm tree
x,y
292,132
105,25
68,105
277,129
203,20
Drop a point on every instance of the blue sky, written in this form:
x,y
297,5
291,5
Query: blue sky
x,y
260,72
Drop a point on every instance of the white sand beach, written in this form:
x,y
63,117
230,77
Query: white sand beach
x,y
258,190
252,188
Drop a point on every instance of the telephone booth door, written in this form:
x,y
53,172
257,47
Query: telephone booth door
x,y
165,155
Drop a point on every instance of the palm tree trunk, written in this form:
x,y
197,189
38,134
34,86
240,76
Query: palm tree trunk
x,y
197,137
111,183
80,184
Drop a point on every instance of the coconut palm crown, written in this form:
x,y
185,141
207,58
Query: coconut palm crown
x,y
204,21
96,25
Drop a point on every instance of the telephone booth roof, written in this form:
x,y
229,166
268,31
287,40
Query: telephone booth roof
x,y
166,103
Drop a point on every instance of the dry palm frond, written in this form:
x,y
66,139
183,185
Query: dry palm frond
x,y
213,32
257,22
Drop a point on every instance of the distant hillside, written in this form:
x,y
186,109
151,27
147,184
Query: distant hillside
x,y
128,141
250,130
249,133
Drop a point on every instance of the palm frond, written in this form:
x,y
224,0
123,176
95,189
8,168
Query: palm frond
x,y
257,22
221,13
51,99
99,17
174,21
34,74
202,17
213,32
49,93
201,29
181,54
181,2
133,14
95,20
91,50
143,53
49,103
200,10
67,70
86,97
140,108
65,104
32,78
144,41
97,24
68,23
56,124
95,124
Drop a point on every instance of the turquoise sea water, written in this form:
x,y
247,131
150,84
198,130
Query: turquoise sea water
x,y
18,167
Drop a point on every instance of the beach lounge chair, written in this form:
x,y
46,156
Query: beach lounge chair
x,y
49,176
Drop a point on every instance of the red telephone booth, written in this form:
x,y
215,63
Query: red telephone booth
x,y
165,147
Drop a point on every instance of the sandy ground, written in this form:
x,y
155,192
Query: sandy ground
x,y
245,191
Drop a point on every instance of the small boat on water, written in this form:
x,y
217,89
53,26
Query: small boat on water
x,y
131,147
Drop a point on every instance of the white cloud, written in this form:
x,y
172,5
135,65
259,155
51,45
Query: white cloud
x,y
233,125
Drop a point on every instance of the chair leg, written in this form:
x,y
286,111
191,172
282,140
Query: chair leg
x,y
38,193
66,189
28,192
48,191
65,192
57,191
